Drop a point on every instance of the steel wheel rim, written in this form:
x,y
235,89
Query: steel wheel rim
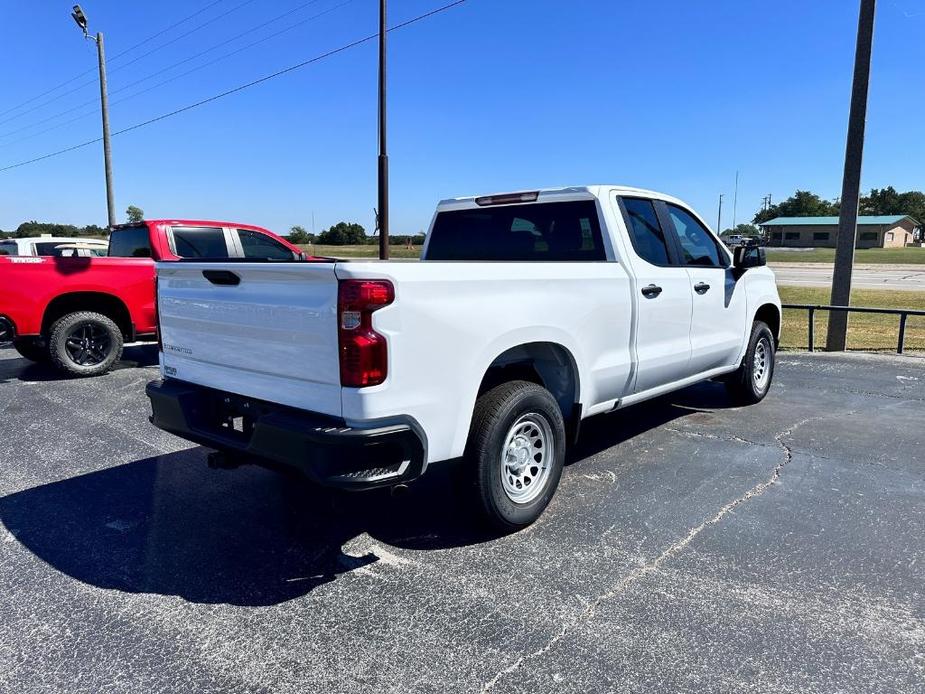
x,y
527,458
761,364
87,344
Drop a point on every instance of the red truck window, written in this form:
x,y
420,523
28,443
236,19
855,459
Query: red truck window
x,y
257,245
200,242
130,242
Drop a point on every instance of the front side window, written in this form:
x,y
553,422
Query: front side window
x,y
9,248
697,244
130,242
199,242
553,231
645,231
257,245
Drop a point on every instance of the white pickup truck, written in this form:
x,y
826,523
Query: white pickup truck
x,y
529,312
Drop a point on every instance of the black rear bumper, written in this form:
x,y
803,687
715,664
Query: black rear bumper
x,y
321,447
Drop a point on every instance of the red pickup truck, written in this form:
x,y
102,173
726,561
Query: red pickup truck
x,y
78,312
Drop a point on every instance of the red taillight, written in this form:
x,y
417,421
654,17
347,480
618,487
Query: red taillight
x,y
363,352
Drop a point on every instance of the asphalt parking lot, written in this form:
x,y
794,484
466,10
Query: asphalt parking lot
x,y
692,547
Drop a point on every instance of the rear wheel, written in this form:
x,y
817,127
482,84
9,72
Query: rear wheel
x,y
516,450
751,382
85,343
31,349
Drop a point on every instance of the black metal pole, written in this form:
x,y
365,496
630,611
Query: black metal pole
x,y
837,337
383,152
107,148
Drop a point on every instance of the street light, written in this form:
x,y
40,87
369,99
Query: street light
x,y
81,19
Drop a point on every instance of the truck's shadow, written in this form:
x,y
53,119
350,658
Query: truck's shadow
x,y
169,525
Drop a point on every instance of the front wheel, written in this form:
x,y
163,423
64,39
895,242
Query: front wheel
x,y
751,382
516,449
85,343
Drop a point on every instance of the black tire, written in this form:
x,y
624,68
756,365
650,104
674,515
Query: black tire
x,y
31,349
85,344
752,381
525,405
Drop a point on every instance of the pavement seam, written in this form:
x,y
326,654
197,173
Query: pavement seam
x,y
654,565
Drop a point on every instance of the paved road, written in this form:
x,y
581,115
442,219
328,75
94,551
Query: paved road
x,y
901,277
692,547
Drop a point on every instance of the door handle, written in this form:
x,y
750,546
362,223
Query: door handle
x,y
701,287
223,277
651,291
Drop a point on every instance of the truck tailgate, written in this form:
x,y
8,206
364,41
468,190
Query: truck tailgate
x,y
261,330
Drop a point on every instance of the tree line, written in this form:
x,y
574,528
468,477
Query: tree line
x,y
348,234
805,203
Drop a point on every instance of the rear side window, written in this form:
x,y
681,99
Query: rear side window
x,y
8,248
554,231
646,232
257,245
199,242
130,242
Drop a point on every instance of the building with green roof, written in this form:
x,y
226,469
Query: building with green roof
x,y
874,231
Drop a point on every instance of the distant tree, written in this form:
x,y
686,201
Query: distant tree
x,y
134,214
343,234
802,203
888,201
298,234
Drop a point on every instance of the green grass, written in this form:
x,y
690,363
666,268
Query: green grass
x,y
365,251
874,256
865,331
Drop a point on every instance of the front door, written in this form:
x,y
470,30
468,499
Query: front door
x,y
718,320
663,296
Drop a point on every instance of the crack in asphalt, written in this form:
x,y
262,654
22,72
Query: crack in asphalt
x,y
653,566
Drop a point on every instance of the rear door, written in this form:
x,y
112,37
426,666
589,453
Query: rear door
x,y
263,330
719,307
662,295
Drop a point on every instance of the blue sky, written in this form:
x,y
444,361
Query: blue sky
x,y
491,96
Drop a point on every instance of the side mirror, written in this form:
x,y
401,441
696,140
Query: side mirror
x,y
744,257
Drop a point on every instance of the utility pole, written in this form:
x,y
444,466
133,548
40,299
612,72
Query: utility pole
x,y
735,201
719,216
845,240
383,215
81,19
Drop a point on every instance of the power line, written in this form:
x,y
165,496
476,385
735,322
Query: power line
x,y
115,57
124,65
170,67
241,87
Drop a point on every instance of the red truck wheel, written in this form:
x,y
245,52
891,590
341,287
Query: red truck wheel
x,y
85,344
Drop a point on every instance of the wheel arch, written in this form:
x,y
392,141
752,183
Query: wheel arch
x,y
548,364
99,302
771,315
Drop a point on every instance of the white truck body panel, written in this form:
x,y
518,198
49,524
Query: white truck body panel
x,y
274,336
